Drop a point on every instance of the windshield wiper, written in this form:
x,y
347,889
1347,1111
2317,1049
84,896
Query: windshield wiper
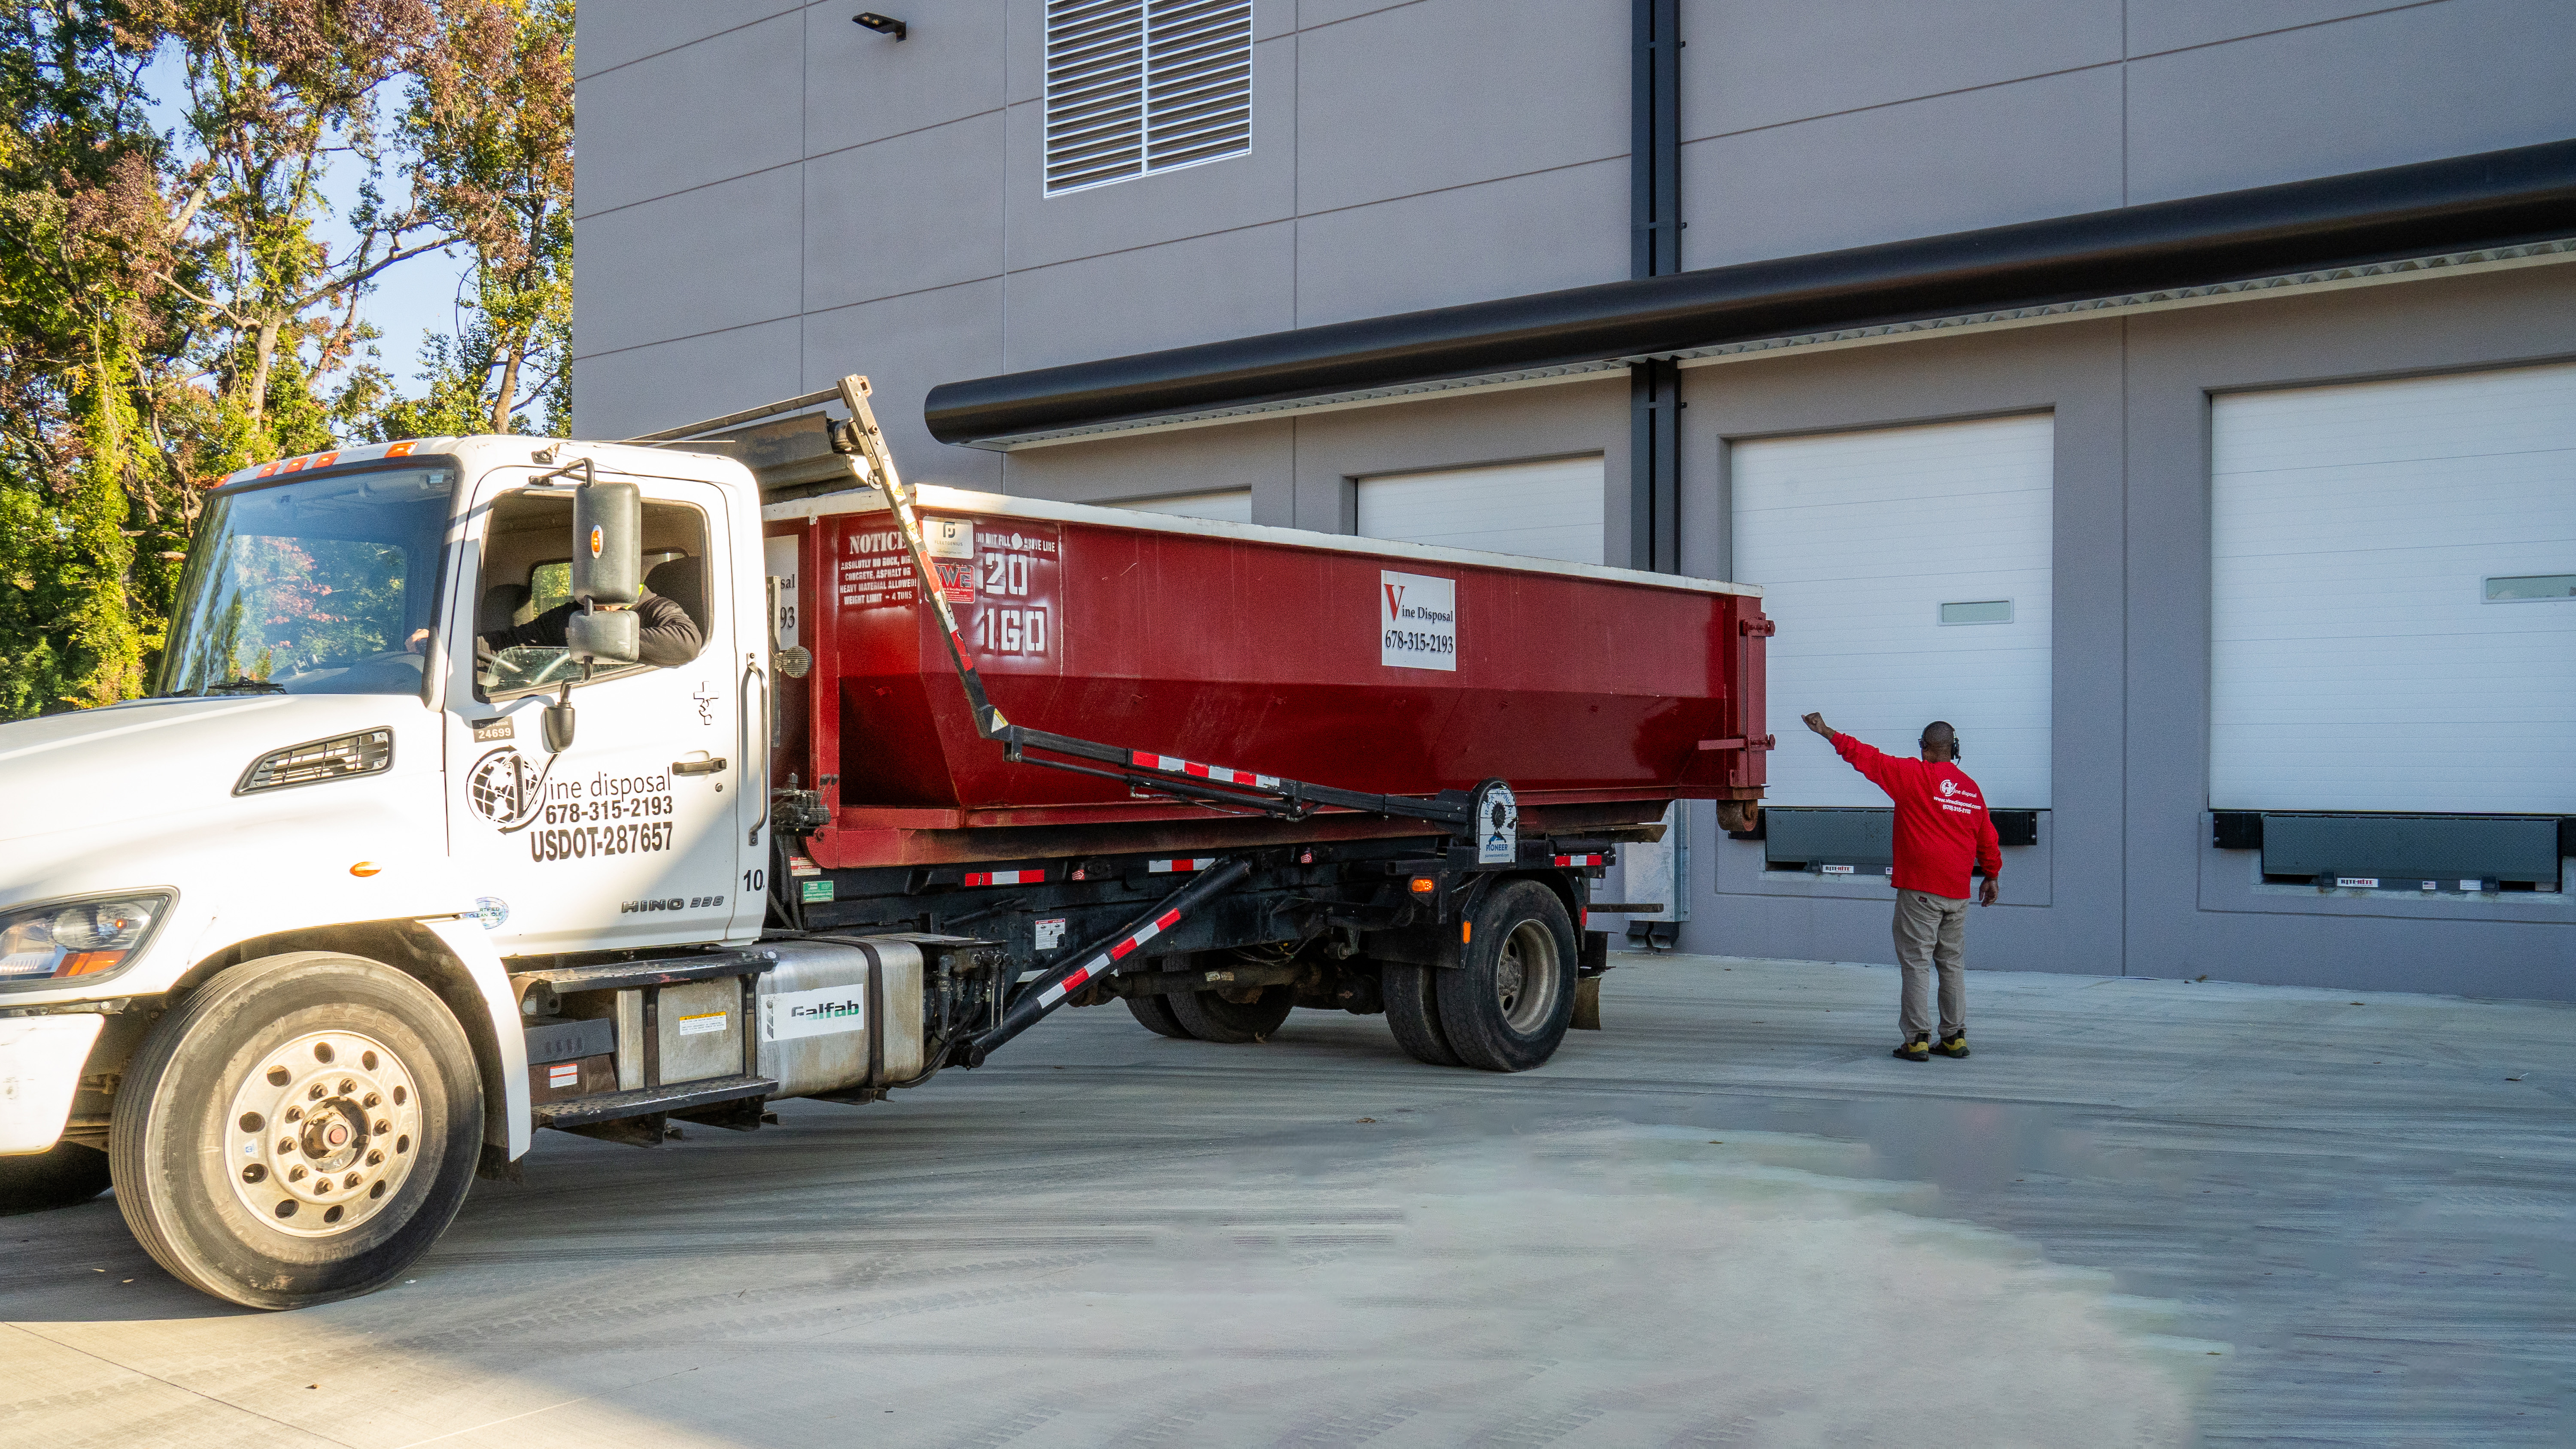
x,y
244,685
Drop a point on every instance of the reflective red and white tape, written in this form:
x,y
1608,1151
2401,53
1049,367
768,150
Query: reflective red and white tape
x,y
1171,765
1005,877
1179,864
1582,860
1106,959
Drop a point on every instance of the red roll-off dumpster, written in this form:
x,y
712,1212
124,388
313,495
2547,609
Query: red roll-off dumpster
x,y
1599,694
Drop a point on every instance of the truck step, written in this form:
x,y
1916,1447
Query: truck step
x,y
677,1097
663,971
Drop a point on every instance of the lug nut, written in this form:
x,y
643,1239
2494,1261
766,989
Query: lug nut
x,y
347,1085
316,1093
372,1099
286,1144
375,1156
295,1173
383,1127
350,1181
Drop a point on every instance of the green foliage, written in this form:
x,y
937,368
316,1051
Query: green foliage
x,y
169,313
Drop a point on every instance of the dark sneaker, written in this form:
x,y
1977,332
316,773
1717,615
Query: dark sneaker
x,y
1953,1046
1915,1051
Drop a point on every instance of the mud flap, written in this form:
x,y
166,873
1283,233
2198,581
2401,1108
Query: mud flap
x,y
1587,1004
1587,985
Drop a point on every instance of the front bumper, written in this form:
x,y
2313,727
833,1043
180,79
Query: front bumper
x,y
40,1067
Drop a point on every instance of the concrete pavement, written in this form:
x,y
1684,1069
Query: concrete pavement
x,y
2145,1212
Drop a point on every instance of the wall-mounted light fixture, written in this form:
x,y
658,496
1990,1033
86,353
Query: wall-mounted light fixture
x,y
882,24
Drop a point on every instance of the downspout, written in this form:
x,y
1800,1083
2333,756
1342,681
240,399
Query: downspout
x,y
1655,250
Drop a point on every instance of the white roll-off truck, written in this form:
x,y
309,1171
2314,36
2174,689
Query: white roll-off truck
x,y
435,832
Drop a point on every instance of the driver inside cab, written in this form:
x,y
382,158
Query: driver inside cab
x,y
669,635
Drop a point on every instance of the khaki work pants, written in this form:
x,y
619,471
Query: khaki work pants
x,y
1932,931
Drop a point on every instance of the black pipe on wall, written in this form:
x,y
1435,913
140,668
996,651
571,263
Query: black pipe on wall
x,y
2494,198
1655,250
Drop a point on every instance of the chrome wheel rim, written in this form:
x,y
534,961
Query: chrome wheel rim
x,y
322,1132
1525,977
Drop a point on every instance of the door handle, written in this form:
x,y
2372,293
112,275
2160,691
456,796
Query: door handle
x,y
697,767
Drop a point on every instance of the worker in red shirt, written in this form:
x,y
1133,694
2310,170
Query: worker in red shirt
x,y
1941,826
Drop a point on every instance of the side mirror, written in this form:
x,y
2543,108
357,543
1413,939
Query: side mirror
x,y
607,568
558,725
607,543
604,637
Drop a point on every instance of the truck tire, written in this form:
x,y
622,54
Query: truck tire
x,y
62,1176
1210,1017
1155,1014
1506,1005
300,1129
1413,1013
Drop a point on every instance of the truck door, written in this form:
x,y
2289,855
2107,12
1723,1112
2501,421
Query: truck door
x,y
630,837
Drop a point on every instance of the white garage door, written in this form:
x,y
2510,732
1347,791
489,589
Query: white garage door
x,y
1908,570
1552,509
2393,609
1226,505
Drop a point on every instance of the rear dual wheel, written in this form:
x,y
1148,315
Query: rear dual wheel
x,y
300,1129
1505,1006
1154,1013
1209,1016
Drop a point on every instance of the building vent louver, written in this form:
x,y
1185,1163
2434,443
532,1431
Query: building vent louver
x,y
1139,86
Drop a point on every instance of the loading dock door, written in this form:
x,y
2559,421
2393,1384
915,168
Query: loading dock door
x,y
1553,508
1908,570
1225,505
2393,596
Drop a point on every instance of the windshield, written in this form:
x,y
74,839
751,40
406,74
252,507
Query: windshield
x,y
326,585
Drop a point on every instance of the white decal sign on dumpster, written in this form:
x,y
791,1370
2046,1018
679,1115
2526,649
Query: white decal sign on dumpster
x,y
1417,621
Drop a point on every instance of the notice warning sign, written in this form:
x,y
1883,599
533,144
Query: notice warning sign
x,y
1417,621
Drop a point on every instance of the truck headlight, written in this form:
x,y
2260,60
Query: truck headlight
x,y
76,938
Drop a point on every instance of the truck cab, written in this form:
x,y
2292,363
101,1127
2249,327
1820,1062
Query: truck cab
x,y
344,761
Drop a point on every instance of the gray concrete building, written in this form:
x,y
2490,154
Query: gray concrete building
x,y
2178,397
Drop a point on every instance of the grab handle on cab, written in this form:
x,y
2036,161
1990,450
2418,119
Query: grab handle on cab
x,y
697,767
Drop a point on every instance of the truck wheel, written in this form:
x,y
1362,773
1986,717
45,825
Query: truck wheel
x,y
1506,1005
300,1129
1155,1013
1413,1013
1210,1017
62,1176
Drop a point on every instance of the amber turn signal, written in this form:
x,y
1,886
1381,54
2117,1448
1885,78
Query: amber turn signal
x,y
1422,885
365,867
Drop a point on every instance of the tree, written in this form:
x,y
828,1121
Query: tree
x,y
492,122
86,248
277,92
169,310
